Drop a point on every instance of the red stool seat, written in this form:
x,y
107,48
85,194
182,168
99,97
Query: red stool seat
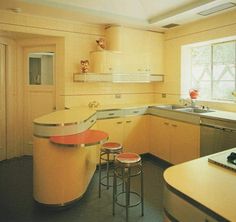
x,y
128,158
111,146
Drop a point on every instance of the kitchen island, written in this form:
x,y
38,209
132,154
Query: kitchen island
x,y
199,190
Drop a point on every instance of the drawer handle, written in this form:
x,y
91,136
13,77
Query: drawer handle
x,y
91,121
128,121
135,111
174,125
111,114
118,122
166,123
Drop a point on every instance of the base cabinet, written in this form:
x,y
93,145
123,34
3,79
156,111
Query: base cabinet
x,y
135,134
131,131
174,141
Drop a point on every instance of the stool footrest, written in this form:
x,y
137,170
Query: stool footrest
x,y
130,205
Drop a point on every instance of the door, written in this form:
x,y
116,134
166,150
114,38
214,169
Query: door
x,y
39,88
2,103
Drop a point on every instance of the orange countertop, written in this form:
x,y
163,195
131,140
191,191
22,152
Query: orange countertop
x,y
86,138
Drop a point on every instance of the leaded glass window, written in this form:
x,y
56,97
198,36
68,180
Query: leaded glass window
x,y
213,70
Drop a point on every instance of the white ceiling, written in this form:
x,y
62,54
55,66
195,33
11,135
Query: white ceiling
x,y
147,14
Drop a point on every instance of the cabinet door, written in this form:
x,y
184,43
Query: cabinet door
x,y
98,61
105,61
160,137
185,142
156,49
136,134
114,128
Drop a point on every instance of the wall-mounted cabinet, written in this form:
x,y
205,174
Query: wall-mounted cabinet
x,y
132,55
142,49
105,61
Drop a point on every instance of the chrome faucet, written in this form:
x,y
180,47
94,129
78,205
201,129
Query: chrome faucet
x,y
93,104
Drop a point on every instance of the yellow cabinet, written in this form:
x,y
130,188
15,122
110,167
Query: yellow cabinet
x,y
105,61
131,131
142,51
185,142
114,127
174,141
159,138
135,138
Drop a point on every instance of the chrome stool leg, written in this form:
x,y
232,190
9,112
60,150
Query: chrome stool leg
x,y
100,174
127,166
107,149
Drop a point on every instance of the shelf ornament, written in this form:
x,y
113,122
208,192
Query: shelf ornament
x,y
84,66
101,43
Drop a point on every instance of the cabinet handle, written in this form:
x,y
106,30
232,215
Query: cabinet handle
x,y
91,121
174,125
135,111
118,122
166,123
111,114
128,121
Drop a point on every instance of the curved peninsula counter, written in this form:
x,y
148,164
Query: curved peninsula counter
x,y
65,155
199,190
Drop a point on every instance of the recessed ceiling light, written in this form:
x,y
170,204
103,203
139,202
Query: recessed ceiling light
x,y
217,8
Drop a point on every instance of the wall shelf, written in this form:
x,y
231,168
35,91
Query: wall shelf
x,y
118,77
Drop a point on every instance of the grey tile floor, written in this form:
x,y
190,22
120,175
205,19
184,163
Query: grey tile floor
x,y
17,204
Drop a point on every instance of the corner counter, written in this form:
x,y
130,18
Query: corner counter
x,y
200,191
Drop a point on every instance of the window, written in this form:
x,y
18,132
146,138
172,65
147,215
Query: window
x,y
41,68
210,68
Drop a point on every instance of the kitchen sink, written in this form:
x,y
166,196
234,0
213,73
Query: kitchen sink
x,y
195,110
171,106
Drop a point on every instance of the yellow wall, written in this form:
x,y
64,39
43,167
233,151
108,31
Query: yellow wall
x,y
75,41
212,28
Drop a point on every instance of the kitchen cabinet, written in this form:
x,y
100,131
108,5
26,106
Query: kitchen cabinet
x,y
130,131
135,134
142,51
160,138
174,141
136,63
185,142
105,61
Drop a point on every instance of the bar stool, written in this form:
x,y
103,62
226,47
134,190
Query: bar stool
x,y
127,166
108,150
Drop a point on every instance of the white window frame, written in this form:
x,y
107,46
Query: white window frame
x,y
186,66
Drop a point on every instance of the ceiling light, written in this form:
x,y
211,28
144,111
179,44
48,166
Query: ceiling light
x,y
217,8
171,25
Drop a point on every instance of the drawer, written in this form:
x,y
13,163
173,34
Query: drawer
x,y
135,111
108,114
88,123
